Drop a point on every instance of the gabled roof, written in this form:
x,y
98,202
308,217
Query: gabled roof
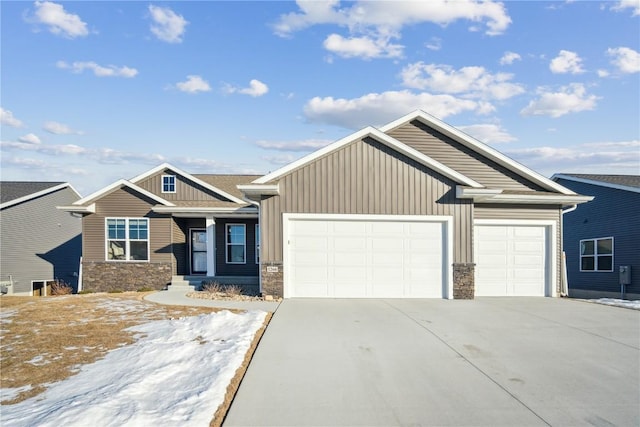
x,y
15,192
478,147
116,186
189,177
618,182
380,137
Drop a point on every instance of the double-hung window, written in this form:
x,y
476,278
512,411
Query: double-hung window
x,y
168,183
596,254
127,239
236,244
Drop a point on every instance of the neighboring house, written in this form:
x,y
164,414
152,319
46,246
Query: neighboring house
x,y
168,226
38,243
602,235
413,209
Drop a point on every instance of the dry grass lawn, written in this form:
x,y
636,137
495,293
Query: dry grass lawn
x,y
47,339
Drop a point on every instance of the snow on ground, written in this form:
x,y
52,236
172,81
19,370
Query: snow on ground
x,y
617,302
176,374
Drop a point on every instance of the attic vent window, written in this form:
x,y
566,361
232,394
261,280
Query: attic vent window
x,y
168,183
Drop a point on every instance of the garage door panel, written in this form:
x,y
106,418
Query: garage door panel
x,y
511,260
366,258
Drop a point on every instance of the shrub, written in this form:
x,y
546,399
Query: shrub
x,y
233,290
58,287
212,287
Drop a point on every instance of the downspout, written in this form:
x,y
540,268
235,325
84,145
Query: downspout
x,y
564,283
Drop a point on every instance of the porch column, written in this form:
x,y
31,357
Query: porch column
x,y
211,245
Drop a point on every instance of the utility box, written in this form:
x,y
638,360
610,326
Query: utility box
x,y
625,274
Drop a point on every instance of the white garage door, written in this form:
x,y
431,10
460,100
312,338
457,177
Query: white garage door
x,y
511,260
365,258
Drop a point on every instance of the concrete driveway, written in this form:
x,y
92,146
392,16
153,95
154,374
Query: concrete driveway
x,y
491,361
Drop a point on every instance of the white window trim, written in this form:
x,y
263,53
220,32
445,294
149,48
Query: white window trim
x,y
227,244
162,183
595,254
256,238
127,240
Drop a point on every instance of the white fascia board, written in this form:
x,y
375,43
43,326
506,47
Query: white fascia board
x,y
594,182
478,146
190,178
386,140
115,186
37,194
496,196
313,156
195,212
78,209
259,189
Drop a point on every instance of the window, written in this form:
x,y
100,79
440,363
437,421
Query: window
x,y
596,254
236,244
127,239
168,183
257,243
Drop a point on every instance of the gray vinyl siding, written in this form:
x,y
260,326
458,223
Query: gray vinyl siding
x,y
460,158
250,268
523,212
365,177
612,213
185,189
40,242
125,203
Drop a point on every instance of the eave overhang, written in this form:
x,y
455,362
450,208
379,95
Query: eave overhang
x,y
199,212
254,192
89,209
490,195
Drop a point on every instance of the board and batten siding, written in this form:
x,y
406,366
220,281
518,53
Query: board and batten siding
x,y
460,158
185,189
125,203
40,242
520,212
365,177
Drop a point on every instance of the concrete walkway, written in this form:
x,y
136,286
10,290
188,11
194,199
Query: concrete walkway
x,y
180,298
486,362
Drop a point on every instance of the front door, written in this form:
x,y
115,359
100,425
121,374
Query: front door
x,y
198,252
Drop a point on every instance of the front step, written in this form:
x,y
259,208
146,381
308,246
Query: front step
x,y
191,283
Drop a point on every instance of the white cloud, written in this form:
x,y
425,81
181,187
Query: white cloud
x,y
566,62
603,73
379,108
7,118
304,145
194,84
488,133
622,5
475,82
167,25
256,88
98,70
569,99
608,157
362,47
60,129
30,138
280,159
383,17
59,21
434,43
43,148
626,59
509,57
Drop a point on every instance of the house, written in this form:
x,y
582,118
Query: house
x,y
413,209
603,235
38,244
168,226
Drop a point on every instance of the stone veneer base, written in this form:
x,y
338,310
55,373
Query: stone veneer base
x,y
463,281
272,278
125,276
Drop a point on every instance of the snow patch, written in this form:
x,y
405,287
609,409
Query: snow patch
x,y
635,305
12,393
175,375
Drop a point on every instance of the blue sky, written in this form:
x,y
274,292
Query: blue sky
x,y
96,91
